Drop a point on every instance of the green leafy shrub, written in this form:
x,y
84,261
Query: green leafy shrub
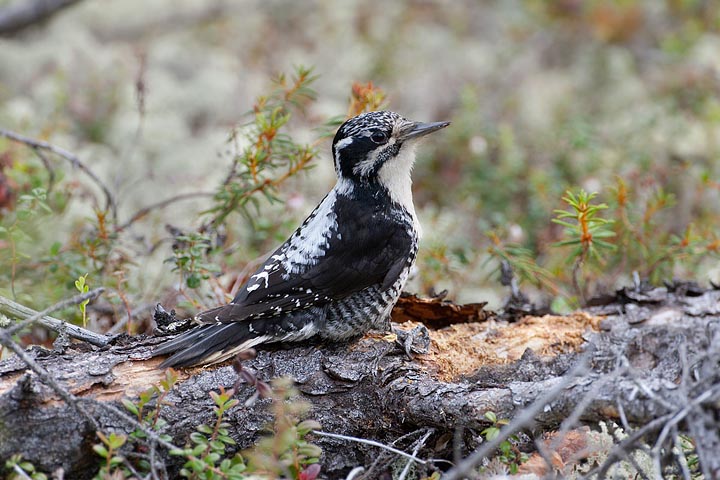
x,y
21,470
508,453
209,453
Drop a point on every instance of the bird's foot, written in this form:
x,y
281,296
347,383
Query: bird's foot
x,y
416,340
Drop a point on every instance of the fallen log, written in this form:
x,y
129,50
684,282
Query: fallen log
x,y
631,363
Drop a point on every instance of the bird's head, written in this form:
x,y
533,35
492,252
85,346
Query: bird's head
x,y
379,147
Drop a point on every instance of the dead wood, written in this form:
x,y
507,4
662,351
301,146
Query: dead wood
x,y
437,312
644,361
22,14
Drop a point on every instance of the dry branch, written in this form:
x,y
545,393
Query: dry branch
x,y
161,204
30,316
22,14
110,203
656,373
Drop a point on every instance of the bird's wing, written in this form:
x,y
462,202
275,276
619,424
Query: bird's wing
x,y
358,254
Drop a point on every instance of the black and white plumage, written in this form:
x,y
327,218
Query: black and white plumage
x,y
341,272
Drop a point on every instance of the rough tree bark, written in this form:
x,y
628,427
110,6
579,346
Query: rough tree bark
x,y
647,354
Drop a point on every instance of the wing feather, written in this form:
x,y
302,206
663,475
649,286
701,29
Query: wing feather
x,y
365,251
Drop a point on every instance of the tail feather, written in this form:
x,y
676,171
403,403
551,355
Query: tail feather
x,y
208,344
216,342
182,340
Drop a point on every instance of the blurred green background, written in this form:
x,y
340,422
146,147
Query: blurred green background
x,y
616,97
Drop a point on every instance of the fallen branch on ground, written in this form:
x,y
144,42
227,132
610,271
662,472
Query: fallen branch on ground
x,y
370,390
30,316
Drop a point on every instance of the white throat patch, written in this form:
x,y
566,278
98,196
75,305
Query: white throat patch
x,y
395,176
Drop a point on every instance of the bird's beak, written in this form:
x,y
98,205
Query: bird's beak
x,y
411,130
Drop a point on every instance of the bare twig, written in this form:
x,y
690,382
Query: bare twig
x,y
638,469
21,473
151,434
577,412
132,469
19,15
701,428
577,267
369,442
370,471
354,473
110,203
623,416
523,419
162,204
680,415
652,395
680,455
619,451
46,163
153,462
417,448
30,316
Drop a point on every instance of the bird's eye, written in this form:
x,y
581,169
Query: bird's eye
x,y
379,137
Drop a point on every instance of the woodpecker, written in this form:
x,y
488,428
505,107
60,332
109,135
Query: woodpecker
x,y
341,272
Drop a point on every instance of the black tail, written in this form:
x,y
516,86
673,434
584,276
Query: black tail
x,y
208,344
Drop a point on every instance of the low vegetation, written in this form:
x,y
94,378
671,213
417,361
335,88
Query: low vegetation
x,y
596,198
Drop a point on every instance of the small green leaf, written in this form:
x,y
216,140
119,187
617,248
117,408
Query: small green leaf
x,y
310,450
55,248
211,458
80,283
116,441
306,426
198,438
100,450
204,429
130,406
196,465
226,439
217,445
194,280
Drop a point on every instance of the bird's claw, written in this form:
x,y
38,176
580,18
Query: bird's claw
x,y
416,340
